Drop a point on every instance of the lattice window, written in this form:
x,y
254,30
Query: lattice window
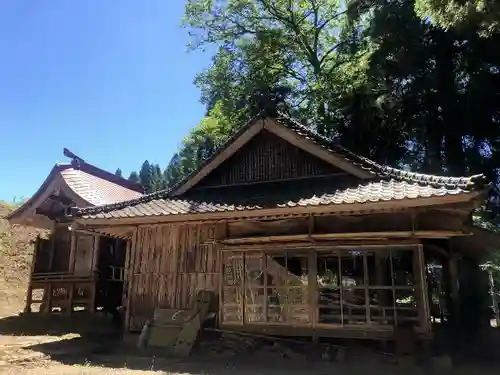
x,y
367,287
273,288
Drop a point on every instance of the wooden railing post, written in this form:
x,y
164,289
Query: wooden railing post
x,y
29,292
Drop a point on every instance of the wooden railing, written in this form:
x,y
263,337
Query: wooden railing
x,y
61,291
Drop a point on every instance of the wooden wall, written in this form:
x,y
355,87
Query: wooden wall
x,y
168,265
84,254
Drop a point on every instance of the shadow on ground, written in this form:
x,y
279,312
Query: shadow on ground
x,y
216,355
34,324
243,358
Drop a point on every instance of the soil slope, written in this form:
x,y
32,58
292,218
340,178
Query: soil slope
x,y
16,249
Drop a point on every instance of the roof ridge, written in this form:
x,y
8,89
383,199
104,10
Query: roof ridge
x,y
108,176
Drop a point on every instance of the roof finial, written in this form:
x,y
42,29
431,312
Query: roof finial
x,y
75,160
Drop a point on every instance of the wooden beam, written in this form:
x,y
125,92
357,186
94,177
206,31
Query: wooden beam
x,y
437,249
104,232
61,198
371,243
290,179
51,215
334,236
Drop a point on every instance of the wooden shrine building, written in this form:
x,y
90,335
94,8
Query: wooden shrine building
x,y
73,268
294,235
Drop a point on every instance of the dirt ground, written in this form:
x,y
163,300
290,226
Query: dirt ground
x,y
31,345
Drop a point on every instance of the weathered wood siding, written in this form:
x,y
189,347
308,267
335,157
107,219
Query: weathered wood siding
x,y
168,265
84,254
267,157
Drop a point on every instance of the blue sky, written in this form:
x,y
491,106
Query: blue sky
x,y
109,79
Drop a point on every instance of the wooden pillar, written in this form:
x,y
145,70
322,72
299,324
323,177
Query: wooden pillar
x,y
419,269
29,292
367,291
494,298
72,253
48,299
126,268
69,307
95,253
312,286
94,269
455,298
130,278
52,245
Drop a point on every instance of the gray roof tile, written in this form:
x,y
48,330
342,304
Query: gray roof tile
x,y
363,193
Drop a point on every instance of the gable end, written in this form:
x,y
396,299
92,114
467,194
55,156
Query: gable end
x,y
267,158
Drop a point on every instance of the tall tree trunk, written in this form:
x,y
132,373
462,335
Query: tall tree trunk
x,y
449,115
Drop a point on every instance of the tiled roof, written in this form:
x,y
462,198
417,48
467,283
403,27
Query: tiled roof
x,y
389,184
157,205
94,185
95,189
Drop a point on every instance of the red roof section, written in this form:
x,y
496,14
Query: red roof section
x,y
98,188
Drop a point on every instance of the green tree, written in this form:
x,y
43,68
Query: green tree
x,y
119,172
173,173
157,178
134,177
462,15
146,176
290,43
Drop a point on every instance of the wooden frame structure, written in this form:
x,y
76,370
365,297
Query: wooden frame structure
x,y
294,235
68,264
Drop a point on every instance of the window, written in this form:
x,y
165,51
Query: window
x,y
272,288
374,287
354,287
